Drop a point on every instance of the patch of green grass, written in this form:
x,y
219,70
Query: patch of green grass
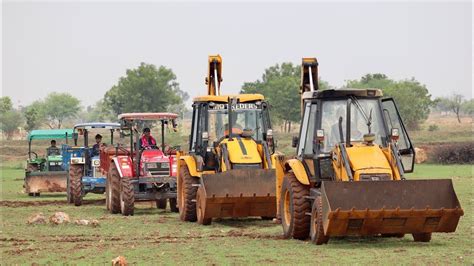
x,y
155,236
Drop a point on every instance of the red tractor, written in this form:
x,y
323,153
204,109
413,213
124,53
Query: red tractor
x,y
140,172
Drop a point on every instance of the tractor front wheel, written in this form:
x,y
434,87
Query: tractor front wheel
x,y
173,205
113,193
187,195
161,204
316,229
75,183
293,207
127,197
422,237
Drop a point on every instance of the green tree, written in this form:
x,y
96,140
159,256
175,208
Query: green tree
x,y
10,121
280,86
468,107
452,103
5,104
34,115
144,89
412,97
59,106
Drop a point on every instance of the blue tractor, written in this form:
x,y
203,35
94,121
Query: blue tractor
x,y
83,161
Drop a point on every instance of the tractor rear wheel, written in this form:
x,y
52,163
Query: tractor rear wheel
x,y
75,183
161,204
187,195
316,229
422,237
114,191
173,205
127,197
201,208
293,207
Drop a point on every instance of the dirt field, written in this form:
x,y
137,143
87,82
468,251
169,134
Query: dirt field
x,y
159,237
156,236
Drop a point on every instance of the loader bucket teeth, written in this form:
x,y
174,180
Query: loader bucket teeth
x,y
239,193
389,207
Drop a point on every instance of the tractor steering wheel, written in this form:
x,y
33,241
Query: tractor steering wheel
x,y
32,152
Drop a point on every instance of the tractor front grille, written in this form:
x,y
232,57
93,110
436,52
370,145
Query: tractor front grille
x,y
158,169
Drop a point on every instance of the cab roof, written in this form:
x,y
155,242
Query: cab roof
x,y
225,98
327,94
147,116
50,134
97,125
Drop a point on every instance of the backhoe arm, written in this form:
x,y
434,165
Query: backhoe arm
x,y
214,75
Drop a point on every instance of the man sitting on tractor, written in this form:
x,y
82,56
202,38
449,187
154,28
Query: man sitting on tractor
x,y
53,150
147,141
97,145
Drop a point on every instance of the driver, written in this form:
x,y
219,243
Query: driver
x,y
53,150
147,141
97,145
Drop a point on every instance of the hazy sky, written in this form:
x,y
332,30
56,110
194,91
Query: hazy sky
x,y
84,47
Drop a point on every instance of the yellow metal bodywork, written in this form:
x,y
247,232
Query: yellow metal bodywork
x,y
225,98
236,154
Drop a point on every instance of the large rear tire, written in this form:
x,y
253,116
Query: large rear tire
x,y
187,195
316,228
68,191
201,208
114,182
173,205
127,197
75,183
422,237
293,207
161,204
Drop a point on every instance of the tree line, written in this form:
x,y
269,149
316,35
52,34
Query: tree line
x,y
148,88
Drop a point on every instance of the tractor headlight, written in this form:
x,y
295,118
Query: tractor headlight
x,y
96,163
77,160
165,165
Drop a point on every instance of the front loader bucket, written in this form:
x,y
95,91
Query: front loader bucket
x,y
389,207
239,193
36,182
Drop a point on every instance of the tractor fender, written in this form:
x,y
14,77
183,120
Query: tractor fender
x,y
124,165
298,169
190,163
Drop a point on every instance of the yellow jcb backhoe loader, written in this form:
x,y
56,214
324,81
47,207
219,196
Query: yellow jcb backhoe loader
x,y
348,177
228,171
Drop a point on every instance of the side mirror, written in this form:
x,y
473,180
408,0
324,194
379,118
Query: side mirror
x,y
395,134
294,141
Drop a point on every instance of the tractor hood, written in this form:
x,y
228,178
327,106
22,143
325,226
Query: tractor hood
x,y
154,156
367,158
242,151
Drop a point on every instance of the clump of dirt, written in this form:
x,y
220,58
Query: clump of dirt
x,y
119,261
93,223
37,218
59,218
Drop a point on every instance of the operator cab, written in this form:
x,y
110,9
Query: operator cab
x,y
212,124
329,115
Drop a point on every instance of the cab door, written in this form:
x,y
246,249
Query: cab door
x,y
405,147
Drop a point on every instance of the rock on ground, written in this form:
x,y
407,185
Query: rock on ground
x,y
37,218
59,218
119,261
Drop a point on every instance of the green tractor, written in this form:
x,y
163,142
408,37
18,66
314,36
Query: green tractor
x,y
46,173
